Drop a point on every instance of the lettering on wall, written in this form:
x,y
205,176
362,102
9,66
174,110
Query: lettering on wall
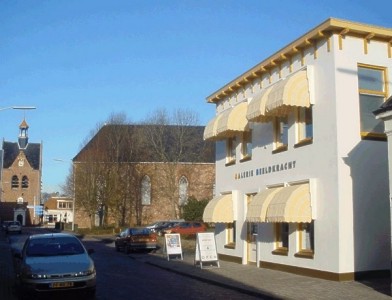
x,y
266,170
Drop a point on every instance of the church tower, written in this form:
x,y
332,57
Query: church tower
x,y
21,171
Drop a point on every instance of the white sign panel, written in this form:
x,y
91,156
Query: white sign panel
x,y
206,248
173,244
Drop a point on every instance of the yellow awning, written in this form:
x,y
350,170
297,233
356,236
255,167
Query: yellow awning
x,y
233,120
256,107
289,92
257,209
210,130
291,204
219,210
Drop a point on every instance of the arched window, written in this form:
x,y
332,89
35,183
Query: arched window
x,y
146,190
14,182
183,190
25,182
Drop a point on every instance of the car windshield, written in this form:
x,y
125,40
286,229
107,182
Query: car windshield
x,y
54,246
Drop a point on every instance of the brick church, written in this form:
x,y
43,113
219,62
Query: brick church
x,y
21,169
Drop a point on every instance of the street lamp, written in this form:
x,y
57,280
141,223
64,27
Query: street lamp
x,y
18,107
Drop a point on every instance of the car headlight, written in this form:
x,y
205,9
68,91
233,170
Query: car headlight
x,y
37,276
85,273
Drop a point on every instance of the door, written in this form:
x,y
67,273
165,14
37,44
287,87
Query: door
x,y
252,242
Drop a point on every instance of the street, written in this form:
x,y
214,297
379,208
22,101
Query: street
x,y
121,277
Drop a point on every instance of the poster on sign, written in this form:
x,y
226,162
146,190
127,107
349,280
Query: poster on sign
x,y
173,245
206,254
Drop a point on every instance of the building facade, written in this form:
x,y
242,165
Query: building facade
x,y
301,162
131,184
21,179
58,209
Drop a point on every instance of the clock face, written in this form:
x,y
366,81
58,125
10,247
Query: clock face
x,y
21,162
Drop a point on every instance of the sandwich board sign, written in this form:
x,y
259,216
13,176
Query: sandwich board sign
x,y
206,254
173,245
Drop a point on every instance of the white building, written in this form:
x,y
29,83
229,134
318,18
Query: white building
x,y
58,209
301,161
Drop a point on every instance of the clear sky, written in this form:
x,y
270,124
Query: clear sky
x,y
79,61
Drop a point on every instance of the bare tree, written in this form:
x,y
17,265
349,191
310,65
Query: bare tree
x,y
172,142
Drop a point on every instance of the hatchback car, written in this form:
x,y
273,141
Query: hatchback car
x,y
14,226
136,239
187,228
55,262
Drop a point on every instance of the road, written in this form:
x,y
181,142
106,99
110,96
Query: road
x,y
121,277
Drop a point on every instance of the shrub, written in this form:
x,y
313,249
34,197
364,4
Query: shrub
x,y
194,209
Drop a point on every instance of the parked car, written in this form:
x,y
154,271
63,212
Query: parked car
x,y
159,230
136,238
4,225
14,226
187,228
55,262
154,225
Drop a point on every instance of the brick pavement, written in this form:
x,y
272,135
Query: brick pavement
x,y
271,284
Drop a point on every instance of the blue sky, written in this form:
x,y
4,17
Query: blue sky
x,y
79,61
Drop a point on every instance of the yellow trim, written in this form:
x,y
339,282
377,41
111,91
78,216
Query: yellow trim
x,y
327,28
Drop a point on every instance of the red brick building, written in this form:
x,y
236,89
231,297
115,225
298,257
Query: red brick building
x,y
157,188
21,169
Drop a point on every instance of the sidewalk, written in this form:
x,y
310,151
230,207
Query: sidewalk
x,y
270,284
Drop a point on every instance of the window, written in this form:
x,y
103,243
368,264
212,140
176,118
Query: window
x,y
146,190
64,204
25,182
230,235
280,134
183,190
14,182
281,238
246,147
304,126
306,240
372,94
230,150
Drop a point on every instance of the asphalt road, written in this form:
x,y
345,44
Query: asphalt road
x,y
121,277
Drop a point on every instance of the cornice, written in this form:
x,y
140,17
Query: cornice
x,y
323,31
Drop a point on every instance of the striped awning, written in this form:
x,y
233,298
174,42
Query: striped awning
x,y
279,98
257,209
291,204
210,131
256,107
219,210
233,120
293,91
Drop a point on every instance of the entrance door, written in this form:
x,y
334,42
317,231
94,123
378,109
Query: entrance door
x,y
20,219
252,242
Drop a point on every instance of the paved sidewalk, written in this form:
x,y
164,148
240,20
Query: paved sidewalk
x,y
270,284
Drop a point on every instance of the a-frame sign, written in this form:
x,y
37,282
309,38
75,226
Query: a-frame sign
x,y
206,255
